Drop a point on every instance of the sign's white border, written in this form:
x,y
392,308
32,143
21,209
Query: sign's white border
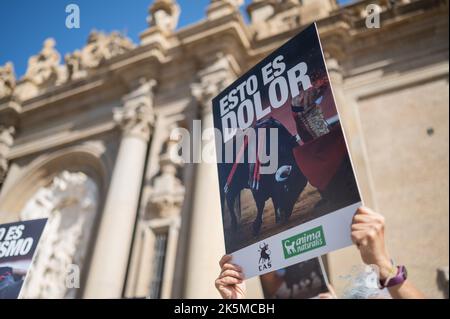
x,y
336,228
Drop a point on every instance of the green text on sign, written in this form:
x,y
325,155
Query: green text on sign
x,y
303,242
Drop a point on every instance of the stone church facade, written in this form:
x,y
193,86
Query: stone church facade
x,y
85,141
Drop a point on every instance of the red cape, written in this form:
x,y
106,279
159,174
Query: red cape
x,y
320,159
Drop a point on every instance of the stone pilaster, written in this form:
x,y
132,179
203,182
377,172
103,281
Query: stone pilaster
x,y
348,111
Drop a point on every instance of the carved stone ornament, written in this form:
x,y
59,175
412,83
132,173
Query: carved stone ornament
x,y
261,10
7,80
70,204
164,14
167,193
236,3
137,117
43,68
288,4
75,69
213,79
6,141
100,47
220,8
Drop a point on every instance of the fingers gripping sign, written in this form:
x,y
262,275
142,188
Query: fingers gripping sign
x,y
230,282
368,235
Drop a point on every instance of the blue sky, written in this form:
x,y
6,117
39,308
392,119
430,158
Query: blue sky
x,y
25,24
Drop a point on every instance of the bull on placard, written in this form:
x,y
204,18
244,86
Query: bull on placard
x,y
264,253
283,186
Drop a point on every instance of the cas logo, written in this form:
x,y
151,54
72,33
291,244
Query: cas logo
x,y
264,257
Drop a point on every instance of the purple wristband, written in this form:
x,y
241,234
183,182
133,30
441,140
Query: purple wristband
x,y
398,279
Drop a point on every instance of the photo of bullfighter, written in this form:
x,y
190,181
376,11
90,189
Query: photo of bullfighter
x,y
314,176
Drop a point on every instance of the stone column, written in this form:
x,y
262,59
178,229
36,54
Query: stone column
x,y
206,241
112,248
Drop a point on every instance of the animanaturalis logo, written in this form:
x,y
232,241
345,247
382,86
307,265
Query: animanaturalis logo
x,y
303,242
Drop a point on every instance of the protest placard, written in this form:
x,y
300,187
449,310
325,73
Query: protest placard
x,y
287,185
305,280
18,243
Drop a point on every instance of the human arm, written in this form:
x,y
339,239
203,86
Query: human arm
x,y
368,228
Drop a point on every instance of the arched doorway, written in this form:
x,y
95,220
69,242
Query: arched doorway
x,y
70,203
68,188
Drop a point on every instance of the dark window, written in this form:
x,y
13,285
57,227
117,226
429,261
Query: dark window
x,y
158,264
